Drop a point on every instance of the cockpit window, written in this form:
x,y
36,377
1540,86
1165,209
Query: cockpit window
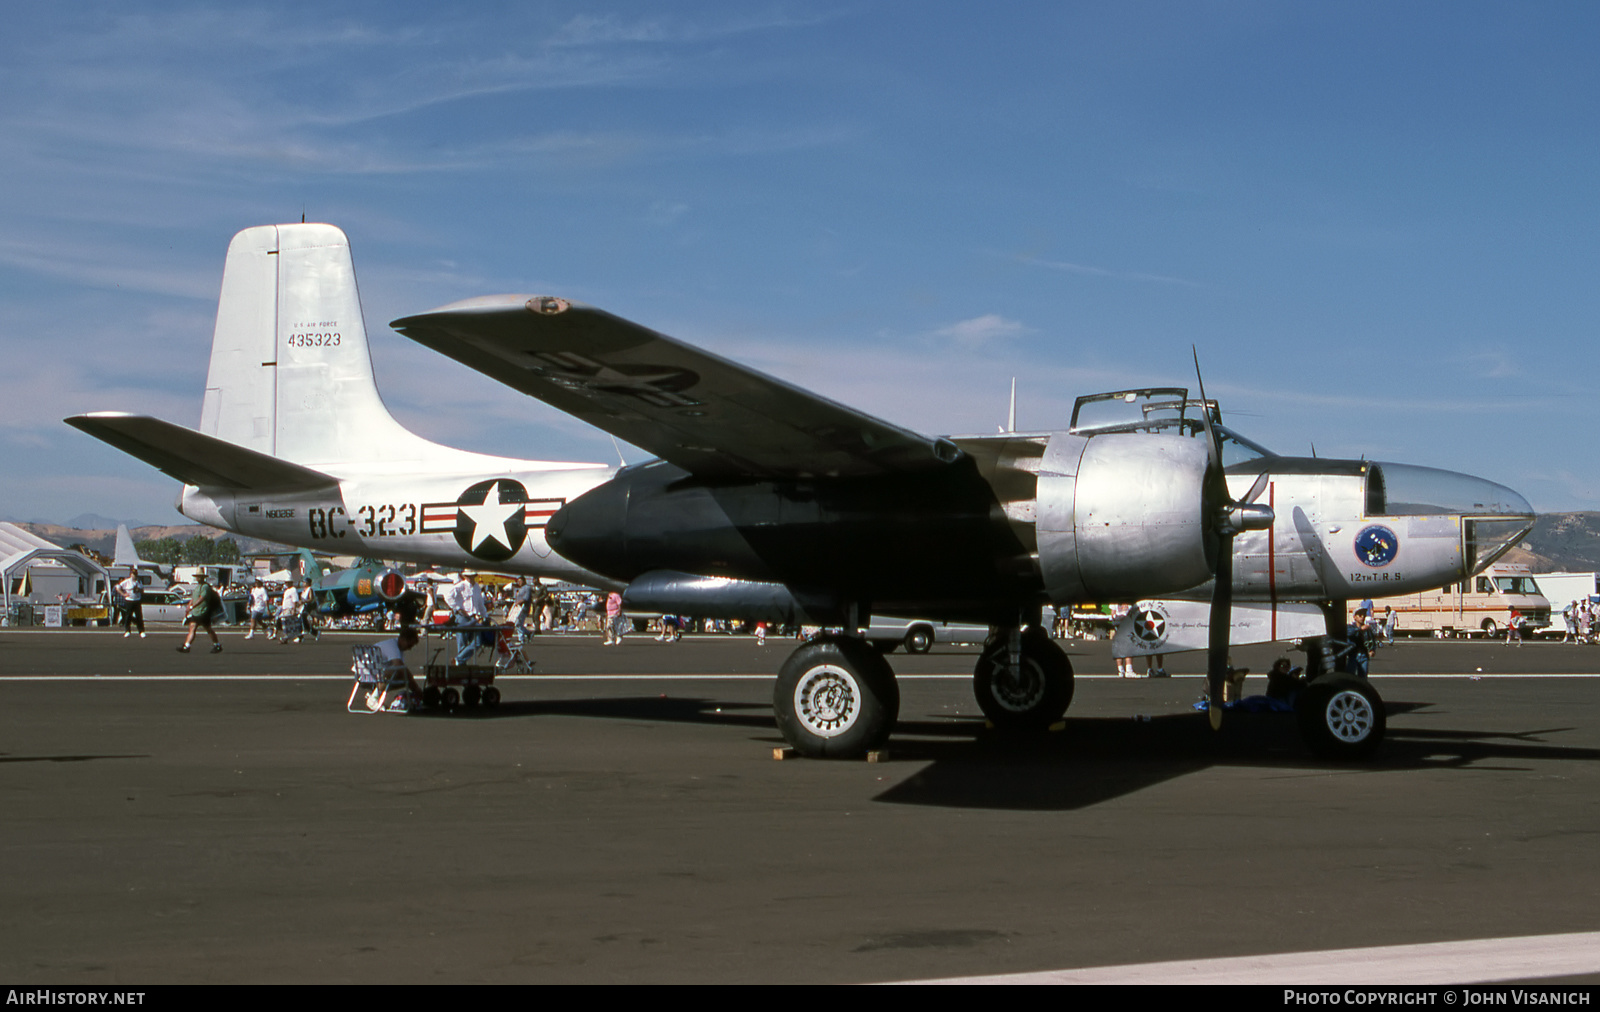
x,y
1125,410
1236,449
1161,409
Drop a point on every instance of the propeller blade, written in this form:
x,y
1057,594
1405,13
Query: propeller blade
x,y
1213,438
1219,620
1259,487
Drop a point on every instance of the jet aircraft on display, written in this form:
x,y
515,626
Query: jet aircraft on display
x,y
370,588
768,502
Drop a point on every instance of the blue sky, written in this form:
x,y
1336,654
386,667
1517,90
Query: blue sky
x,y
1377,222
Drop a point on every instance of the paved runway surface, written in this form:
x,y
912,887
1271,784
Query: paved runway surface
x,y
620,820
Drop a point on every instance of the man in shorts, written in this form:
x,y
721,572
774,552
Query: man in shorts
x,y
259,606
205,606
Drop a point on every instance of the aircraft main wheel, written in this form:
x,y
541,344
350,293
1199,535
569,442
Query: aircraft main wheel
x,y
1028,700
919,640
836,698
1341,717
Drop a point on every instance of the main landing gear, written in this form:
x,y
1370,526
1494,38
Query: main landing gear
x,y
1023,681
836,696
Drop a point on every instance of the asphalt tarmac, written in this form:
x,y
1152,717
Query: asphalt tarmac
x,y
222,818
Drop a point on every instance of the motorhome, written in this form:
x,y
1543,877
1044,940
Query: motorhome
x,y
1478,606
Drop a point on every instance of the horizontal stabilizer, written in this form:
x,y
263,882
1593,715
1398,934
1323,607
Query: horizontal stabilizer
x,y
711,416
195,458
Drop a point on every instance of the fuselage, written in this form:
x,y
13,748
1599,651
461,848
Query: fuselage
x,y
1021,520
493,521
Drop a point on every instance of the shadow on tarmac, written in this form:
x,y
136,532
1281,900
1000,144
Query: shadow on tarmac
x,y
1091,759
671,709
1095,760
63,758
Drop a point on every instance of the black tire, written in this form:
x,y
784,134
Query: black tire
x,y
430,697
450,699
1341,717
491,697
1036,699
836,698
919,640
471,694
1490,630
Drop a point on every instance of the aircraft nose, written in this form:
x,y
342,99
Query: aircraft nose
x,y
1494,517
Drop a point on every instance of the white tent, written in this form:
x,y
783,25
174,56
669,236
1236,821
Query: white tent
x,y
21,551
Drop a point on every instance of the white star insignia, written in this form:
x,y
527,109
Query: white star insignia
x,y
489,520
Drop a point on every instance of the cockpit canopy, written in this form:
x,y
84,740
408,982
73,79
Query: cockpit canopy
x,y
1160,409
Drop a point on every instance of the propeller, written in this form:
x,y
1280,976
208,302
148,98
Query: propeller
x,y
1228,518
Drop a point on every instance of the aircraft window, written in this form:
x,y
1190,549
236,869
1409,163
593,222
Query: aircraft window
x,y
1408,490
1516,585
1487,540
1128,409
1236,449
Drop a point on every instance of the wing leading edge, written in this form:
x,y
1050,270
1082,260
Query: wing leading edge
x,y
195,458
702,412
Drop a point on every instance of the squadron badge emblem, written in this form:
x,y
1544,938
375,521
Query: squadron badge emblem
x,y
1376,546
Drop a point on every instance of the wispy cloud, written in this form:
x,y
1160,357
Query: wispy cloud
x,y
1101,272
1494,364
982,330
95,266
590,29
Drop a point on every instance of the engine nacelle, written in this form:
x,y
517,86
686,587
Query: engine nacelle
x,y
1121,516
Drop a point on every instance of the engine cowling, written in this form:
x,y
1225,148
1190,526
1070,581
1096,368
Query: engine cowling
x,y
1121,516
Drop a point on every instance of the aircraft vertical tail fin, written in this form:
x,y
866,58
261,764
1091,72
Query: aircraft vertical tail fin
x,y
124,554
290,372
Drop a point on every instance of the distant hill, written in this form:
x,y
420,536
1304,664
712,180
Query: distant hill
x,y
104,540
1561,543
94,521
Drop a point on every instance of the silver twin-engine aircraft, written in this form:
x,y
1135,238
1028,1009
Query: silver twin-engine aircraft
x,y
771,503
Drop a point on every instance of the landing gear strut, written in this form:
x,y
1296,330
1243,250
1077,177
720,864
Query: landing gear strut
x,y
836,697
1030,694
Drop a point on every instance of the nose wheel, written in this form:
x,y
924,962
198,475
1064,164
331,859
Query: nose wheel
x,y
1341,717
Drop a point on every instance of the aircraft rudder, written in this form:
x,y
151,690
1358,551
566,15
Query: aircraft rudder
x,y
291,373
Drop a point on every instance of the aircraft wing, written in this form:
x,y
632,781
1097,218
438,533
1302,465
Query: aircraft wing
x,y
195,458
708,415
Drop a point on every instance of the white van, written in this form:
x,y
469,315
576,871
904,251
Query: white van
x,y
1478,606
